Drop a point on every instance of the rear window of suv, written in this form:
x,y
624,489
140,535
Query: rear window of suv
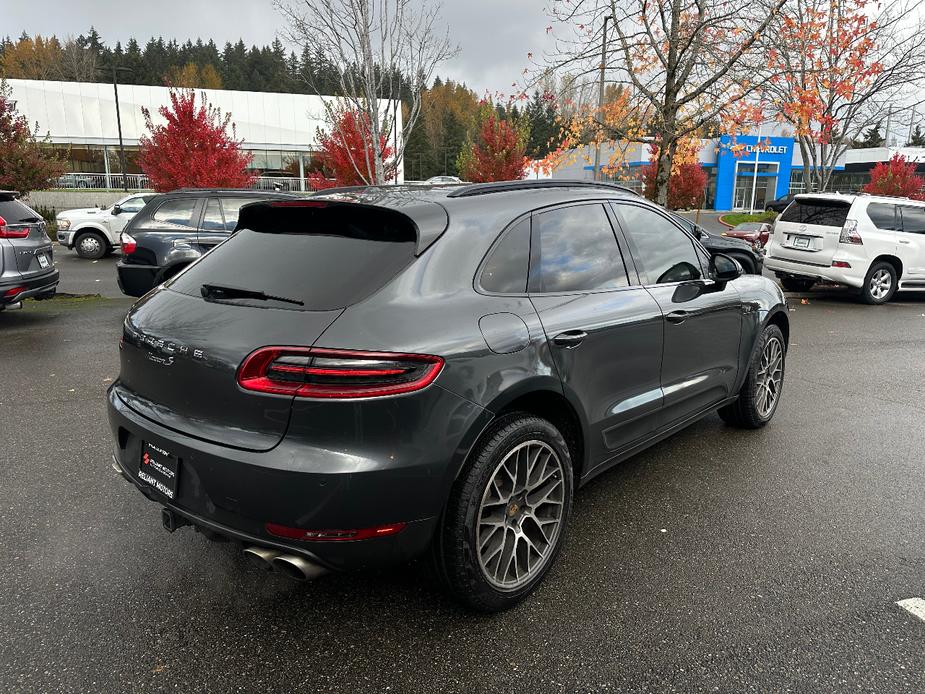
x,y
831,213
328,256
14,212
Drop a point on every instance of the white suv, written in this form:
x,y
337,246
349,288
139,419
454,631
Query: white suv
x,y
94,232
873,243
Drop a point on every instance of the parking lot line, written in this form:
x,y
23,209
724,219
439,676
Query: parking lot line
x,y
914,606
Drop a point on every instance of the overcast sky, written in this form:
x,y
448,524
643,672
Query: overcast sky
x,y
494,35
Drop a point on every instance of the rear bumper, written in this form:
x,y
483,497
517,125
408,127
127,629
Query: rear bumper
x,y
136,280
851,277
235,492
43,287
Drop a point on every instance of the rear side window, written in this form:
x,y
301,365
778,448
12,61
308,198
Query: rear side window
x,y
232,208
884,216
831,213
14,212
575,250
175,213
212,219
505,270
132,205
913,219
326,257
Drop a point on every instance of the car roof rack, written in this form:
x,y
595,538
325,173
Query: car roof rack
x,y
473,189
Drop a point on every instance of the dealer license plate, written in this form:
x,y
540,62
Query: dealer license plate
x,y
43,260
801,241
159,469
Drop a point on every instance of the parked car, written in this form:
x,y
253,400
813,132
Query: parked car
x,y
744,252
353,378
95,232
875,244
443,180
27,267
755,233
78,180
780,204
177,229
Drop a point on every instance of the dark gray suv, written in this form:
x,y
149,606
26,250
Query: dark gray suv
x,y
356,378
27,267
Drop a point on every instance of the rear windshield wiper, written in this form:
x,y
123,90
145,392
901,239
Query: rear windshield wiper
x,y
217,291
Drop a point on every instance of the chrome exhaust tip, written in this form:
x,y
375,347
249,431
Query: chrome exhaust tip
x,y
15,306
261,556
297,567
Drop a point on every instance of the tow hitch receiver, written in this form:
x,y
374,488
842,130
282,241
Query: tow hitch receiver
x,y
171,520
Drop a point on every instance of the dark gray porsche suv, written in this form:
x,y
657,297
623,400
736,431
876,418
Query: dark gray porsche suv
x,y
358,377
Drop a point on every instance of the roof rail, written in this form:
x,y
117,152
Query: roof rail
x,y
507,186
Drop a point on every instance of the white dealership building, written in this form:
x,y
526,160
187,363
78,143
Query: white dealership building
x,y
81,122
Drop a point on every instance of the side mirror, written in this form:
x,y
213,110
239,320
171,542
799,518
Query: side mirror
x,y
116,210
724,269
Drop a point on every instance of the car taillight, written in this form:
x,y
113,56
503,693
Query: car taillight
x,y
14,291
336,373
850,233
333,535
7,233
128,244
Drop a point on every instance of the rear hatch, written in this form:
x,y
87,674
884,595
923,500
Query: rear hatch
x,y
808,230
280,280
24,242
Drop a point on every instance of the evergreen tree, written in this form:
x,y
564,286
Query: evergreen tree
x,y
917,139
872,137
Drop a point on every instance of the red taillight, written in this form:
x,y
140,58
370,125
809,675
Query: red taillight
x,y
14,291
128,244
336,373
840,263
7,233
333,535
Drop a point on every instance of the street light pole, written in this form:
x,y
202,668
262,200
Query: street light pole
x,y
751,206
600,98
115,89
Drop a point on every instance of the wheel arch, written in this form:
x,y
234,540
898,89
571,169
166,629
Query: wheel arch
x,y
550,403
779,318
892,260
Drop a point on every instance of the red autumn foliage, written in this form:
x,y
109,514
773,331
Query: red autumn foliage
x,y
498,155
24,165
686,184
346,152
193,149
896,177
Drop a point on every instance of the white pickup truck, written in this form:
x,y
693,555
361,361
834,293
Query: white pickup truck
x,y
94,232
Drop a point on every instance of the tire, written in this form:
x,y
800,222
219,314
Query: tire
x,y
879,284
484,581
752,409
91,245
796,284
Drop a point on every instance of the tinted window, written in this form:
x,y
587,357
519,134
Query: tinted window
x,y
14,212
505,270
576,251
132,205
826,212
913,219
175,213
883,216
212,219
327,257
665,252
232,208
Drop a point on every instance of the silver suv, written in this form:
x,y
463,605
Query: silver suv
x,y
27,268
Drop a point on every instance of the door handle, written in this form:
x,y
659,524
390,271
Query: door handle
x,y
676,317
904,241
570,339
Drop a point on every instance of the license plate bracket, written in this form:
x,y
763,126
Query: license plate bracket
x,y
801,241
159,469
43,260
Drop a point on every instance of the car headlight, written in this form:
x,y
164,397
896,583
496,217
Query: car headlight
x,y
64,224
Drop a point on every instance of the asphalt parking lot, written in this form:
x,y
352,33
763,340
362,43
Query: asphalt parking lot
x,y
719,560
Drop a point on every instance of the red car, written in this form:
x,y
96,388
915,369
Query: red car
x,y
756,233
